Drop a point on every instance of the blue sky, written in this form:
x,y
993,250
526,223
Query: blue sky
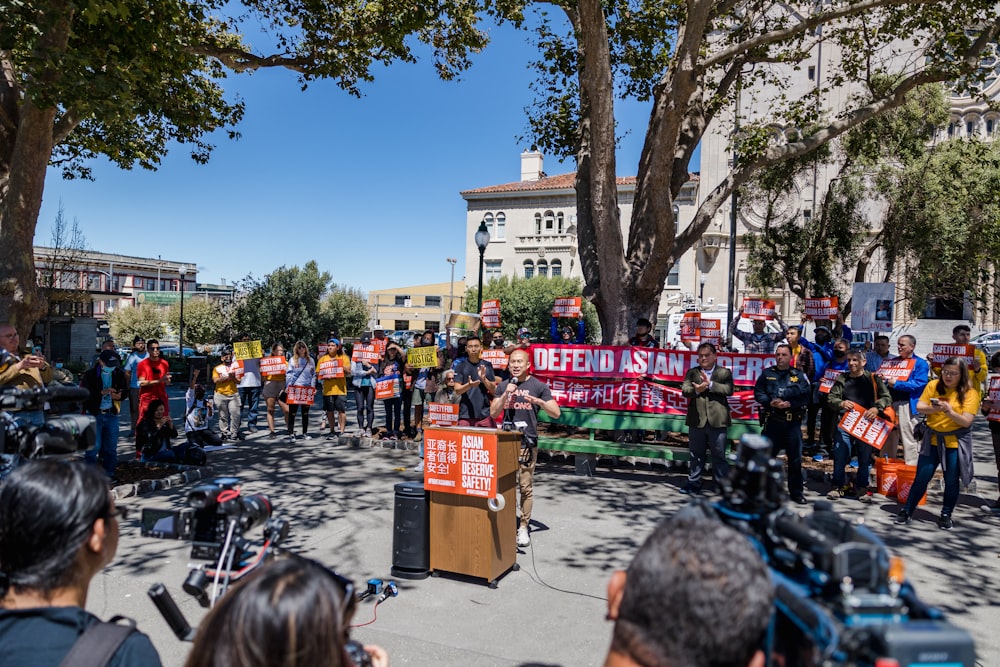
x,y
368,187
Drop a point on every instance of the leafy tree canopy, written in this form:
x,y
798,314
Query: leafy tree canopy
x,y
145,321
283,307
345,310
204,321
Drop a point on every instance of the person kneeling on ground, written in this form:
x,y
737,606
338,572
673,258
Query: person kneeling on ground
x,y
196,416
697,593
292,611
152,439
58,529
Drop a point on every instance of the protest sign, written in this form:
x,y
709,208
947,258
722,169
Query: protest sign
x,y
871,431
691,327
826,382
387,387
300,395
941,351
497,358
896,368
822,308
443,414
422,357
247,349
872,306
490,314
994,398
275,365
759,309
364,353
459,321
237,369
380,344
330,369
321,349
711,331
460,462
568,306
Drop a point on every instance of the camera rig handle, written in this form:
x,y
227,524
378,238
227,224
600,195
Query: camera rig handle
x,y
171,613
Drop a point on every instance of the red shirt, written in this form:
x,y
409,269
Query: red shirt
x,y
147,369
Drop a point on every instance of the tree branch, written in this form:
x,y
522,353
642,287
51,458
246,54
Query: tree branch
x,y
239,60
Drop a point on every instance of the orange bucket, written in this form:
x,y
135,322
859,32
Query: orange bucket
x,y
885,476
905,475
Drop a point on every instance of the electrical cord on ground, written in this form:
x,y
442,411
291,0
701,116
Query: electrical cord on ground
x,y
538,580
374,618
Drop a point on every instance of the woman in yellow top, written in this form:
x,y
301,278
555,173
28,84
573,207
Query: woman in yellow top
x,y
950,404
274,384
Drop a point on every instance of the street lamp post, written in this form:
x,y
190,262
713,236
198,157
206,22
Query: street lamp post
x,y
180,336
451,285
482,240
702,279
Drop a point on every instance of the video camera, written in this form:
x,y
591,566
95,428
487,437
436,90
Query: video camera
x,y
21,439
840,598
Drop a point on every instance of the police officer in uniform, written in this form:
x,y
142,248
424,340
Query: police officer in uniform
x,y
783,394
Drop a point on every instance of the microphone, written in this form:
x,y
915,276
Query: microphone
x,y
390,591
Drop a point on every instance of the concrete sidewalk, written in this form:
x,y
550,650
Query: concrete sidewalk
x,y
339,501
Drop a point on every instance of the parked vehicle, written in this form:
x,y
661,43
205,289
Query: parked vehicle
x,y
988,342
171,351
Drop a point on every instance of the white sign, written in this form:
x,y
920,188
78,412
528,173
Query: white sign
x,y
872,306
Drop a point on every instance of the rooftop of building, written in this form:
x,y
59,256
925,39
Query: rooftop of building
x,y
558,182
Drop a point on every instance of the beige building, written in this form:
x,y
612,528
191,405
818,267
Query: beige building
x,y
415,308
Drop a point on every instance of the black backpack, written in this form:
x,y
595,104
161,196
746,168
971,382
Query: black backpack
x,y
99,643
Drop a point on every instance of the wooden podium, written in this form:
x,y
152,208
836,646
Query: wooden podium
x,y
466,537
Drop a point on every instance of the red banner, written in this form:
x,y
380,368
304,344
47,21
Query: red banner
x,y
300,395
273,365
942,351
896,368
497,358
568,306
638,396
994,398
691,327
826,382
462,462
442,414
759,309
871,431
822,308
625,363
490,314
365,353
330,369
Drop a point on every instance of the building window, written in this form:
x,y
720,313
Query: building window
x,y
400,300
559,222
970,128
951,130
491,270
538,224
150,284
812,73
433,301
989,127
94,282
550,222
488,221
501,227
807,215
555,268
543,268
400,325
434,326
674,277
529,268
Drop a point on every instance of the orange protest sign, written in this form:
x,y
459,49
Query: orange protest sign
x,y
461,462
330,369
826,382
237,369
380,344
568,306
994,398
870,431
365,353
710,331
759,309
321,349
896,368
822,308
941,352
497,358
387,387
691,327
300,395
490,314
443,414
275,365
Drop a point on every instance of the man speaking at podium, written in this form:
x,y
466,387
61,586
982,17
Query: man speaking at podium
x,y
518,401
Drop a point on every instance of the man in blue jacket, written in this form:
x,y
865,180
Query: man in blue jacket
x,y
905,393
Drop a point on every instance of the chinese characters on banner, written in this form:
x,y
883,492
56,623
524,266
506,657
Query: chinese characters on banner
x,y
443,414
822,308
638,396
300,395
330,369
387,387
994,397
248,349
871,431
826,382
498,358
896,368
273,365
759,309
422,357
490,314
941,352
365,353
461,462
691,327
568,306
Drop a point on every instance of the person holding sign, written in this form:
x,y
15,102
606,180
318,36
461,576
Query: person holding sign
x,y
905,393
865,392
950,403
758,341
392,367
564,335
363,372
302,375
518,402
475,382
250,383
154,376
707,386
962,334
226,399
991,410
783,392
874,359
332,370
273,374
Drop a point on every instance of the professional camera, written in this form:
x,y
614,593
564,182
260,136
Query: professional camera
x,y
840,598
57,436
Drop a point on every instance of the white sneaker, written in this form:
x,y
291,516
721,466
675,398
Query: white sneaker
x,y
419,468
523,539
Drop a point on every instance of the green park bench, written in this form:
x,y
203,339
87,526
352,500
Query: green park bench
x,y
592,419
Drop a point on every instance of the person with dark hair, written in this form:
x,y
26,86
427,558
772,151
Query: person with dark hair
x,y
950,403
783,392
152,437
906,391
987,406
274,385
363,378
292,612
696,594
707,387
107,385
154,376
978,367
58,529
335,386
759,341
475,382
137,354
301,373
566,335
392,364
881,353
642,337
198,410
226,397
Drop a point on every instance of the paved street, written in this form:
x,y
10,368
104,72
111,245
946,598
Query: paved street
x,y
339,501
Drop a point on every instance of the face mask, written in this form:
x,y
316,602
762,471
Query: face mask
x,y
58,365
839,354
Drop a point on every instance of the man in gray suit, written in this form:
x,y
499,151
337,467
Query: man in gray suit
x,y
706,387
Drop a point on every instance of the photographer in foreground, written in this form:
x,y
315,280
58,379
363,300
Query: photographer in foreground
x,y
292,612
58,528
697,593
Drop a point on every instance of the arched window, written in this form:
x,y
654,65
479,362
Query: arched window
x,y
488,221
543,268
529,268
550,222
500,230
538,224
555,268
559,222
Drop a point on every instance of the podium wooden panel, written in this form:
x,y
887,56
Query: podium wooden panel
x,y
465,536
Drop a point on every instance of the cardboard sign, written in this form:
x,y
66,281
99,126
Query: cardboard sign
x,y
498,358
422,357
638,396
490,314
462,462
248,349
896,368
710,331
994,398
568,306
942,351
822,308
870,431
829,377
387,387
329,370
443,414
872,306
691,327
321,349
275,365
300,395
364,353
759,309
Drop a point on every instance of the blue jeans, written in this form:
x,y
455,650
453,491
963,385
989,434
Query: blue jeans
x,y
364,399
250,396
105,449
926,465
842,456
